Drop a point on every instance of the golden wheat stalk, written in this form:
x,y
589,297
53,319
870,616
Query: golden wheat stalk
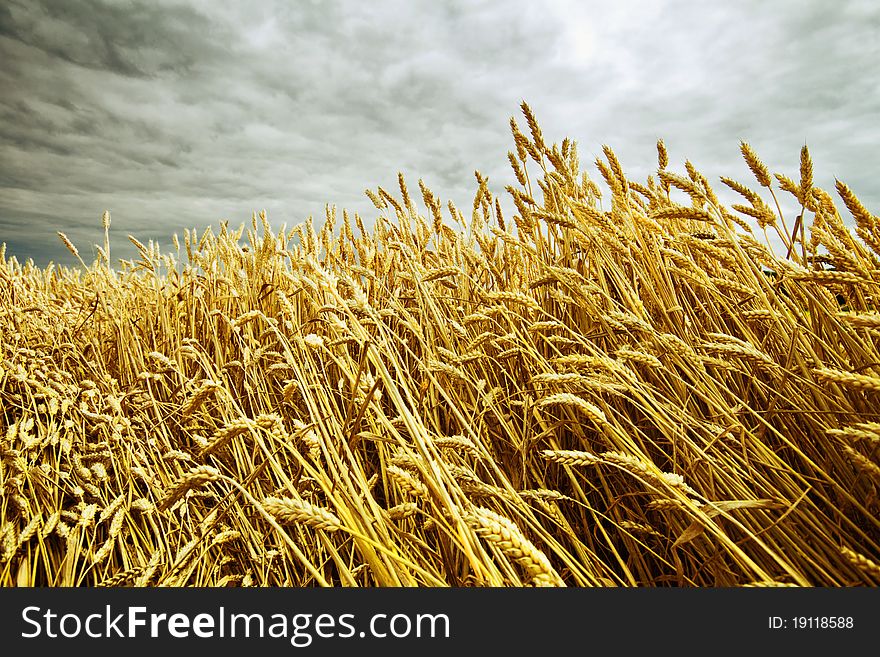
x,y
573,401
406,481
862,462
507,537
849,379
122,578
198,476
571,457
862,562
227,433
291,511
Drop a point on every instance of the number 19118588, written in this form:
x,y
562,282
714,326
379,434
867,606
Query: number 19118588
x,y
811,623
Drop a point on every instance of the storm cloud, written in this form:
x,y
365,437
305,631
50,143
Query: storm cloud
x,y
183,113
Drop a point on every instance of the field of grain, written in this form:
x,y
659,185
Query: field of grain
x,y
627,388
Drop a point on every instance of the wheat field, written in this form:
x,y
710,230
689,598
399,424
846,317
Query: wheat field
x,y
621,385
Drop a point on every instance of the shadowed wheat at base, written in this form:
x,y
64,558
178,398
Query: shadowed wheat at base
x,y
615,384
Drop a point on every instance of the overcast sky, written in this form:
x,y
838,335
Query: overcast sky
x,y
183,113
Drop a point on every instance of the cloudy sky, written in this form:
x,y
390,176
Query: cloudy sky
x,y
182,113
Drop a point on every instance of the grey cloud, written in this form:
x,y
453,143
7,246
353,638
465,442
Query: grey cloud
x,y
131,39
182,113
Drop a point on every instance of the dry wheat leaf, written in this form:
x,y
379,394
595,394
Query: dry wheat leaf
x,y
697,527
